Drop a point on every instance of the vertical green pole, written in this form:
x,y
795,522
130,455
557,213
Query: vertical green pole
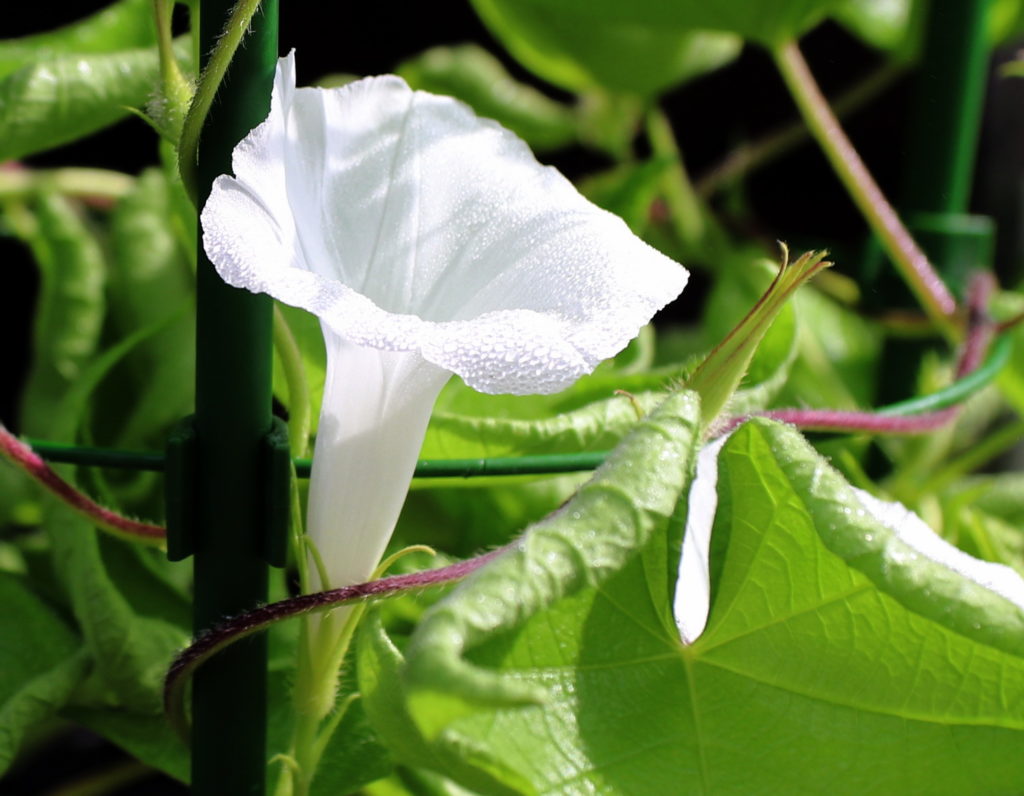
x,y
949,93
233,416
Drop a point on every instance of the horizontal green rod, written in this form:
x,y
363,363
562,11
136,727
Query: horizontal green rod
x,y
425,468
529,465
959,390
505,465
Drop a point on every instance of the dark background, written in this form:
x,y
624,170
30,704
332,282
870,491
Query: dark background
x,y
796,198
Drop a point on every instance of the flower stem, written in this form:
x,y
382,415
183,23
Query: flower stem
x,y
912,263
17,182
299,410
177,91
684,205
206,90
322,651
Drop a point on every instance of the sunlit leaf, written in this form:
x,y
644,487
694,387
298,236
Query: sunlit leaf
x,y
626,48
39,663
48,103
124,25
850,662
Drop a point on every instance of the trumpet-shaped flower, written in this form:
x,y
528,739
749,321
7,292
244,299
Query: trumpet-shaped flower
x,y
429,242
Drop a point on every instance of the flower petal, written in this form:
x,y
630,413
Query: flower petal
x,y
408,224
374,414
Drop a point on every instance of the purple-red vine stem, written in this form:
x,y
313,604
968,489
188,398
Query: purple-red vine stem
x,y
31,463
912,263
980,333
214,640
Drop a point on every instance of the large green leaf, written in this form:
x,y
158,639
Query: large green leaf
x,y
886,24
151,285
40,664
48,103
132,622
131,648
836,658
633,48
473,75
147,737
604,526
70,308
125,25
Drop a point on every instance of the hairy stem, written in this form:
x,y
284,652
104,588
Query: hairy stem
x,y
259,619
206,90
912,263
925,413
29,462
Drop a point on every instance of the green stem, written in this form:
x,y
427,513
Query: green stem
x,y
85,183
912,263
297,537
206,90
683,203
980,453
322,650
299,409
177,91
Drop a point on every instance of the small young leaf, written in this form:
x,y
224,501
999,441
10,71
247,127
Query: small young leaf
x,y
49,103
151,285
70,309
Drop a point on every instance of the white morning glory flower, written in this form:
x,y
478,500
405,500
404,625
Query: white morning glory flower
x,y
429,242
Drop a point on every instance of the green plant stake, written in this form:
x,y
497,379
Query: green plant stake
x,y
949,92
230,471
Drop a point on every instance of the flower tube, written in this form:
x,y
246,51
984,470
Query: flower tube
x,y
429,242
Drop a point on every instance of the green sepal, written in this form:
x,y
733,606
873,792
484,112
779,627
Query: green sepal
x,y
718,376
